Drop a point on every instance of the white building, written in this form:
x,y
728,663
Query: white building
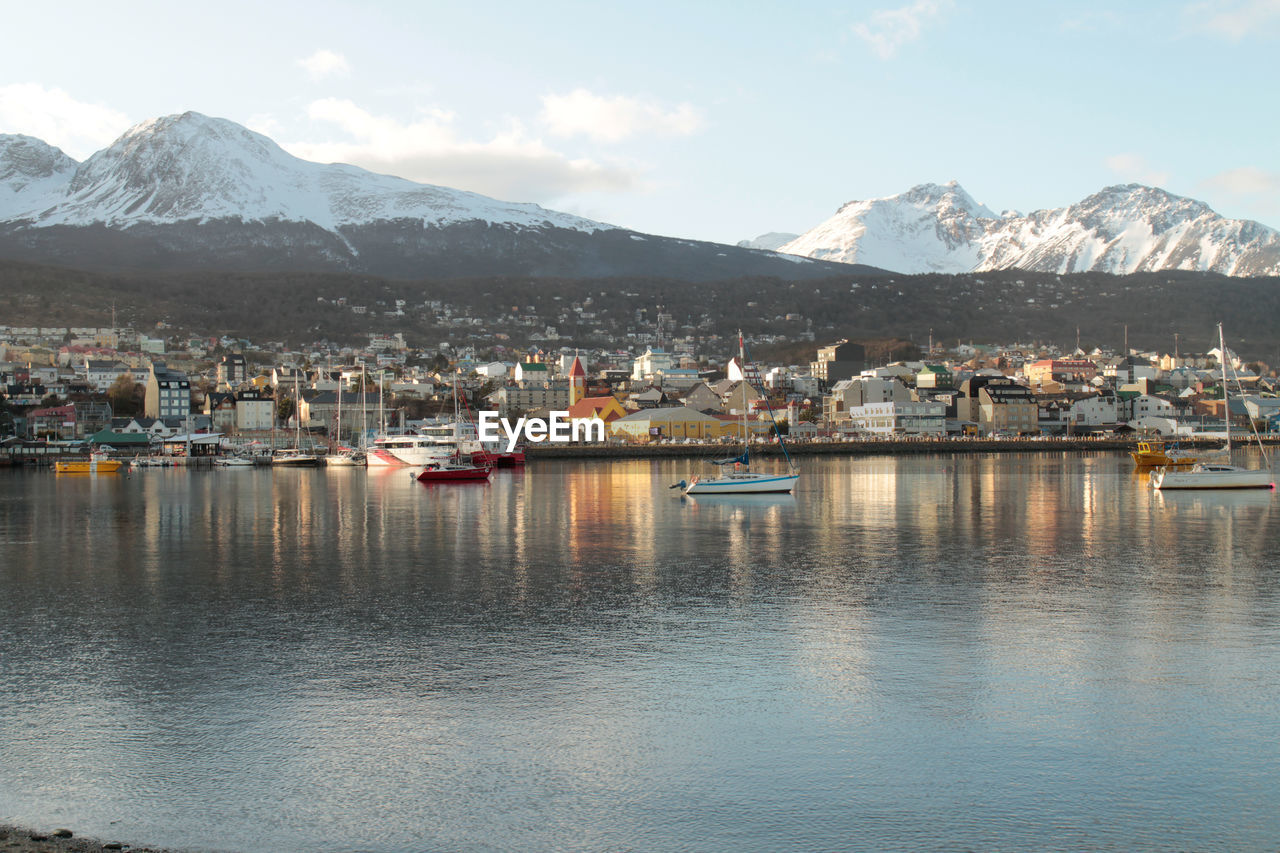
x,y
1147,406
652,362
900,418
1094,411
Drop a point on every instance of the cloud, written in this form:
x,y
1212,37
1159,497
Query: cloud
x,y
78,128
325,63
1133,167
1252,191
1234,20
510,165
890,29
614,118
1248,180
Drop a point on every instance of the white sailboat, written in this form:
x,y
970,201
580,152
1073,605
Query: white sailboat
x,y
736,476
1217,475
296,457
343,456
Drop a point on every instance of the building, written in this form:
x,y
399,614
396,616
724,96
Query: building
x,y
934,376
674,422
1147,406
577,381
101,375
860,391
254,411
654,361
517,398
57,422
1100,411
322,411
896,418
841,360
168,393
528,373
1066,371
1007,409
232,370
220,406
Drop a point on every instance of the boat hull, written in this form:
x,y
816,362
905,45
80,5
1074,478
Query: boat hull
x,y
300,461
344,460
80,466
1240,478
454,475
762,484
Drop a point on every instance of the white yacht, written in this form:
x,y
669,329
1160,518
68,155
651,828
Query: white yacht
x,y
1216,475
429,443
740,479
1212,475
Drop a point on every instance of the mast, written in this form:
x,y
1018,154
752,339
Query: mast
x,y
742,363
1226,395
297,411
382,419
457,429
338,430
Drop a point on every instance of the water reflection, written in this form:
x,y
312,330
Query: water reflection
x,y
347,660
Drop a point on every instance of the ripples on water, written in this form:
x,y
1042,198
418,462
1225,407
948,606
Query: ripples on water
x,y
1021,652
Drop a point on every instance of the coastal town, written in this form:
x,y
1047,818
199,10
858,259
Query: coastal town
x,y
165,393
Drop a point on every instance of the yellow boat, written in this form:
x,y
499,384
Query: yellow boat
x,y
97,463
1151,453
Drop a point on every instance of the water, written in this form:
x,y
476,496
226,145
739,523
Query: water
x,y
1013,652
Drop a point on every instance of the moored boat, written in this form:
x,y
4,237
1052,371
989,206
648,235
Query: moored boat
x,y
1152,453
1208,475
294,457
451,470
97,463
740,479
345,458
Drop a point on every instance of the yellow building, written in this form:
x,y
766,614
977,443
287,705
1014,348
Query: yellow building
x,y
675,422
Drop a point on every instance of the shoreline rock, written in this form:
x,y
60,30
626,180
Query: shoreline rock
x,y
17,839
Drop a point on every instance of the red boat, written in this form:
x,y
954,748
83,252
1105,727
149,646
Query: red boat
x,y
453,470
485,457
509,460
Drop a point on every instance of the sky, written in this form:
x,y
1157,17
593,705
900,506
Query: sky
x,y
712,120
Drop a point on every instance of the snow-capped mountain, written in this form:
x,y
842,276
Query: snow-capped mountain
x,y
769,242
30,171
190,166
193,192
1122,229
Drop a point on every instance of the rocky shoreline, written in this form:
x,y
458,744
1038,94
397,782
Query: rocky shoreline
x,y
14,839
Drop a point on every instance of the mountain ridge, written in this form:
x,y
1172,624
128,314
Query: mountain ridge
x,y
188,191
1121,229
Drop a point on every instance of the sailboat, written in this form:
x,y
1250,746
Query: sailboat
x,y
736,476
295,457
1216,475
343,456
456,468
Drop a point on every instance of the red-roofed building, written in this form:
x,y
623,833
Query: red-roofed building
x,y
58,422
577,381
607,409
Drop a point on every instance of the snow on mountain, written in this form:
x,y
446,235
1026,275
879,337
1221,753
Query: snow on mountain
x,y
192,167
768,242
30,170
929,228
1121,229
